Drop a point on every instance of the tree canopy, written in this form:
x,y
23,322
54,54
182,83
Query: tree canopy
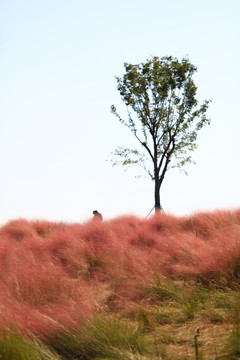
x,y
162,113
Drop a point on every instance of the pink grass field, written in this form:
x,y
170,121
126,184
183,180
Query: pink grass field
x,y
55,275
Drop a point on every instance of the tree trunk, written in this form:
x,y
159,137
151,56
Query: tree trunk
x,y
158,207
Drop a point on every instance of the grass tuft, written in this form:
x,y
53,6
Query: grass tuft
x,y
102,338
14,346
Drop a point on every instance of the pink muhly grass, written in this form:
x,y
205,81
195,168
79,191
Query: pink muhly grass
x,y
17,230
41,294
58,275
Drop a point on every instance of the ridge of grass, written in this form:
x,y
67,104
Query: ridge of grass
x,y
162,288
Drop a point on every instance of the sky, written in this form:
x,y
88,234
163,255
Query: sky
x,y
58,65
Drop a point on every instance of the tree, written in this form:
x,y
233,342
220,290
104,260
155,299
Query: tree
x,y
162,113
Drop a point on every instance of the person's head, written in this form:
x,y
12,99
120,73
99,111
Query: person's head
x,y
97,215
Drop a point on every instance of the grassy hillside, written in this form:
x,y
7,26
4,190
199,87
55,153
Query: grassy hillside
x,y
158,288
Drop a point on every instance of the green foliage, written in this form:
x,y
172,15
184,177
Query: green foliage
x,y
193,300
233,344
103,338
222,299
212,316
14,346
159,291
144,321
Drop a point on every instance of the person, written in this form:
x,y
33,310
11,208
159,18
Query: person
x,y
97,216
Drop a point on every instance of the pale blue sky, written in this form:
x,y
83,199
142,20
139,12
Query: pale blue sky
x,y
57,67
